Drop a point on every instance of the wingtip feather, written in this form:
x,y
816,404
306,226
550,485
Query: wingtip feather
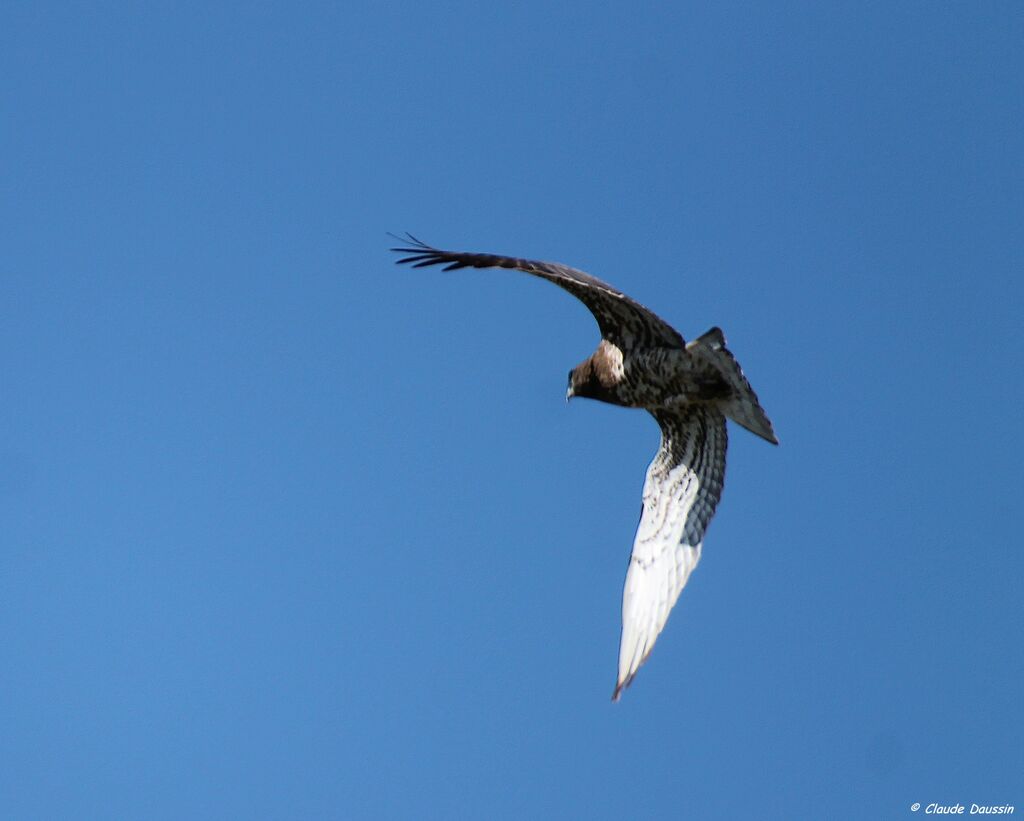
x,y
410,245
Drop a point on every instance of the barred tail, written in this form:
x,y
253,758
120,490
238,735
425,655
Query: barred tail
x,y
741,405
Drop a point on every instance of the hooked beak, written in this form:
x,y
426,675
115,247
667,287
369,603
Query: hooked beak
x,y
569,393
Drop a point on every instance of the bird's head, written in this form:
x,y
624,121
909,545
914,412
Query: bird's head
x,y
586,380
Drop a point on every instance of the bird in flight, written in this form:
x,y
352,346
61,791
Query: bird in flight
x,y
690,388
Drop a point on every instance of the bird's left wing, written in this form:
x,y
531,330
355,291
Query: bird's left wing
x,y
623,322
684,484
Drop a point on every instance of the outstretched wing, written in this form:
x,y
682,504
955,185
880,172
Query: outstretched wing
x,y
623,322
684,484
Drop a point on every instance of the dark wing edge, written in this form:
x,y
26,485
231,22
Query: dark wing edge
x,y
622,320
682,489
421,255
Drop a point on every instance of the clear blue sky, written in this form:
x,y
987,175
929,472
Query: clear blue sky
x,y
289,532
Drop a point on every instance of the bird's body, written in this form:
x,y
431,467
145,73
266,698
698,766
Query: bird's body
x,y
654,378
690,389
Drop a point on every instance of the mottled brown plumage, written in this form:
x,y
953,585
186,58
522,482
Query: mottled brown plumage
x,y
599,376
690,389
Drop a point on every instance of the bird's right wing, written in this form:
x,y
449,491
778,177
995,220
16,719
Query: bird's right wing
x,y
684,484
623,322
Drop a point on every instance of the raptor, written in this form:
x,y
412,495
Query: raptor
x,y
690,388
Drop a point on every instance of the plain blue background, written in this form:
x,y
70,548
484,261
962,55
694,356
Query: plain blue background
x,y
289,532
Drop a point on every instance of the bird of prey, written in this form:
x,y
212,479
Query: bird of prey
x,y
689,388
